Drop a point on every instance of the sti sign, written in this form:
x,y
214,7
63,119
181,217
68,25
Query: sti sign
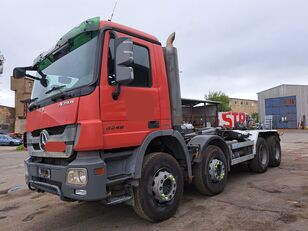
x,y
229,119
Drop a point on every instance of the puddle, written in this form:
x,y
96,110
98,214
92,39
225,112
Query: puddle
x,y
15,188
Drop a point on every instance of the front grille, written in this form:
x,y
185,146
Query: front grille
x,y
51,131
36,146
54,161
65,133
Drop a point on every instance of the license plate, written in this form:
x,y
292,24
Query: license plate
x,y
44,173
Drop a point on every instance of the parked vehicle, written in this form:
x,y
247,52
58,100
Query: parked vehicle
x,y
7,140
16,135
105,124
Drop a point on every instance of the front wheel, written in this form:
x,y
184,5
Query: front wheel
x,y
160,188
210,175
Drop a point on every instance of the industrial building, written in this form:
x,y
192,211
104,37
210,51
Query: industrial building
x,y
200,113
284,106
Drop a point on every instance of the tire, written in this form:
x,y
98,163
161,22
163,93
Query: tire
x,y
273,143
11,143
148,202
260,163
206,182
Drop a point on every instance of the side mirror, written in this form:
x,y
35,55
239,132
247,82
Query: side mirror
x,y
124,60
19,72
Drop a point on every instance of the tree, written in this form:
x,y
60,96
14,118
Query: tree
x,y
220,97
255,117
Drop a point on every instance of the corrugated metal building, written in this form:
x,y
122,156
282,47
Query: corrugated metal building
x,y
285,105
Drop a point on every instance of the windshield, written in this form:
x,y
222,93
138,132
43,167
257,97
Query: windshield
x,y
72,67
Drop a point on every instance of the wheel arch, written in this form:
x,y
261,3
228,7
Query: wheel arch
x,y
267,134
203,141
171,141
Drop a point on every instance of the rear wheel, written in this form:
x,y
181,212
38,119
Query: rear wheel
x,y
160,188
210,175
260,163
273,143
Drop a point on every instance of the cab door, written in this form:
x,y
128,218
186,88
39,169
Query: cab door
x,y
128,119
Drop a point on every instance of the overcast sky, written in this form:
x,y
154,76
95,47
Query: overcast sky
x,y
239,47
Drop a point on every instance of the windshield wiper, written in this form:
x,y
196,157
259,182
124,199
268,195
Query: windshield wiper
x,y
32,104
32,100
55,89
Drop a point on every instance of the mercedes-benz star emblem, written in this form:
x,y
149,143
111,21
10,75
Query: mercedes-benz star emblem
x,y
43,139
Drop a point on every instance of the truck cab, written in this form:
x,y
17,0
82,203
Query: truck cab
x,y
104,124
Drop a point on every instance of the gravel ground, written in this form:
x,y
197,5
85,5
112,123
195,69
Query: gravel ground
x,y
275,200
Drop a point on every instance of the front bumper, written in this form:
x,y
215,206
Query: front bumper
x,y
56,181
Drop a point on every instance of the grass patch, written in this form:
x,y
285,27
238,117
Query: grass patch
x,y
20,148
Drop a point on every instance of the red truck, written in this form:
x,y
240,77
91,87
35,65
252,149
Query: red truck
x,y
105,124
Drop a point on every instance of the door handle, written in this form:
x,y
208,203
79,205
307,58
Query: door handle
x,y
153,124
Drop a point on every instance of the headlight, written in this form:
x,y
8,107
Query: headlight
x,y
77,176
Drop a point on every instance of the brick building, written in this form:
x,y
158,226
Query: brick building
x,y
7,119
243,105
22,88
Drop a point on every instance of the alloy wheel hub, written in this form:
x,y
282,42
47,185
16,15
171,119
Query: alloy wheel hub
x,y
164,186
216,170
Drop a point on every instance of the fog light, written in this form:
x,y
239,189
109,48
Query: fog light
x,y
77,176
81,192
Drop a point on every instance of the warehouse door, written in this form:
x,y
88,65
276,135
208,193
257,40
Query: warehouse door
x,y
283,111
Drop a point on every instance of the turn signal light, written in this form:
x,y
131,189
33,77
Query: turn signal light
x,y
99,171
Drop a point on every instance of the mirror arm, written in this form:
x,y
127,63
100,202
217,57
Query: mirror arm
x,y
41,74
32,77
117,91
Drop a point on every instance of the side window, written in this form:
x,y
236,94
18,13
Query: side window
x,y
142,70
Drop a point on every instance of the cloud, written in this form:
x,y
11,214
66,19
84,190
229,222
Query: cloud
x,y
237,46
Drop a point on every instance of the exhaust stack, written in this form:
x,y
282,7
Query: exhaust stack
x,y
172,68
